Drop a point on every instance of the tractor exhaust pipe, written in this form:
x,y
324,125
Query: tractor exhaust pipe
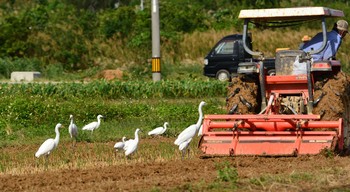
x,y
262,85
310,103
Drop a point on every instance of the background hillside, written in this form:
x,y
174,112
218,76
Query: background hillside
x,y
72,39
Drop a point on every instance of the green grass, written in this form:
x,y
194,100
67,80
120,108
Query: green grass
x,y
32,110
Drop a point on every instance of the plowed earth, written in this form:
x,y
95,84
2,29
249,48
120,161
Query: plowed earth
x,y
305,173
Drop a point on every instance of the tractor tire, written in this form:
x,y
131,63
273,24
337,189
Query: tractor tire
x,y
242,95
335,102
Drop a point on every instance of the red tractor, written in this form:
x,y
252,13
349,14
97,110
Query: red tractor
x,y
278,118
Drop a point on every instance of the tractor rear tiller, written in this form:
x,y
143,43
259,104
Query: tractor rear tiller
x,y
269,135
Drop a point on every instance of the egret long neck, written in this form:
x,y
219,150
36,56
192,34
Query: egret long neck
x,y
199,122
98,121
57,138
136,136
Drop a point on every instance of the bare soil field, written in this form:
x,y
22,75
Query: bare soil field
x,y
324,172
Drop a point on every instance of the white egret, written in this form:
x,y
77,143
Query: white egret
x,y
93,125
186,135
49,144
120,144
130,146
72,129
159,130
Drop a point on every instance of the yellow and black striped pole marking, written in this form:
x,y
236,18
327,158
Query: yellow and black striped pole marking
x,y
155,64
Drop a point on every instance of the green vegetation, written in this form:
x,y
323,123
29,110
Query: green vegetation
x,y
118,89
32,110
227,173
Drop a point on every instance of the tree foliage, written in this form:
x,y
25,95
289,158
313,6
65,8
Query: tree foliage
x,y
79,35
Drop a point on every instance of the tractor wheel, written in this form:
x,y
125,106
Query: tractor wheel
x,y
346,119
335,102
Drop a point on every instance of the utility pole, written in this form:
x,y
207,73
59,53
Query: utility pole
x,y
156,76
141,5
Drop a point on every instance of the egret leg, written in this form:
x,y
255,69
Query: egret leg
x,y
46,161
75,141
72,142
92,136
74,146
37,162
128,157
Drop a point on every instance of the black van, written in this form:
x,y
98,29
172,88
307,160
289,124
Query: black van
x,y
222,61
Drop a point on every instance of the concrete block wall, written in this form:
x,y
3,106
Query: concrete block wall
x,y
27,76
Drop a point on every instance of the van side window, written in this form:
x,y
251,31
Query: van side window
x,y
225,47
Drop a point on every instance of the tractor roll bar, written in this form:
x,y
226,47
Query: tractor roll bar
x,y
246,48
258,53
324,34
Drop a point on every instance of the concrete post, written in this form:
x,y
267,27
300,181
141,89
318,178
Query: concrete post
x,y
156,76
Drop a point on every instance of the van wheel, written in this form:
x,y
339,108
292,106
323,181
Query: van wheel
x,y
223,75
271,72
